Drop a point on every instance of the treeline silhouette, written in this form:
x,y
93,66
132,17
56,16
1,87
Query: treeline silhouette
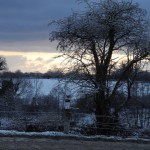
x,y
141,76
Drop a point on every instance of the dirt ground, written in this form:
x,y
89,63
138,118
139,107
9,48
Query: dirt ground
x,y
22,143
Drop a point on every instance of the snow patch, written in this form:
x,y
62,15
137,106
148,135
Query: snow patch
x,y
76,136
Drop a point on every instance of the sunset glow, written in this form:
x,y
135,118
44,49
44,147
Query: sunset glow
x,y
30,61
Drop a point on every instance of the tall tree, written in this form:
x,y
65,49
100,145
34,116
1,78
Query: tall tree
x,y
91,38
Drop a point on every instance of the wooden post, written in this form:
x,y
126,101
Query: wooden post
x,y
67,115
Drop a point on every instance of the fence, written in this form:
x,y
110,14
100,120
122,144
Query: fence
x,y
30,121
67,121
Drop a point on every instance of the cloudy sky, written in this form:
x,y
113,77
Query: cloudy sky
x,y
24,31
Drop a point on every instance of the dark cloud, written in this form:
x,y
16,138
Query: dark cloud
x,y
37,45
27,20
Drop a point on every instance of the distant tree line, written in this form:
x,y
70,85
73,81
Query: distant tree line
x,y
141,76
18,74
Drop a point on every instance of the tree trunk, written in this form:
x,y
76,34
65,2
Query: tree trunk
x,y
105,121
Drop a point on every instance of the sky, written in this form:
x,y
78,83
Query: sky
x,y
24,31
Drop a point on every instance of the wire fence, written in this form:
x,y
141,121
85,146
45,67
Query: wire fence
x,y
109,125
30,121
83,123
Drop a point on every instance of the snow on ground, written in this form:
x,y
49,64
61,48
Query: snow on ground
x,y
88,119
63,135
45,86
49,84
58,86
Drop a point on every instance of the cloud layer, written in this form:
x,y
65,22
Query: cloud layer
x,y
24,29
31,62
28,19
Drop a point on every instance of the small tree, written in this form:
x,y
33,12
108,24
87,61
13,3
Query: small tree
x,y
90,39
12,90
3,64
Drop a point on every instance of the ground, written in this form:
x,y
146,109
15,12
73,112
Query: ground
x,y
42,143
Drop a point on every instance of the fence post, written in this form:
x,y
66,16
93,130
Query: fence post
x,y
67,114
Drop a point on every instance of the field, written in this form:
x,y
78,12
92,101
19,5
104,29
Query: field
x,y
47,85
21,143
45,113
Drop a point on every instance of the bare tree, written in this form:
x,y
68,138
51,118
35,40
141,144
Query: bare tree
x,y
14,89
90,39
36,89
36,85
3,64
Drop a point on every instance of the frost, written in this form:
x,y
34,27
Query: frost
x,y
88,119
75,136
49,84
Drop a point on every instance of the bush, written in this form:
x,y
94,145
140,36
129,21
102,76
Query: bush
x,y
85,104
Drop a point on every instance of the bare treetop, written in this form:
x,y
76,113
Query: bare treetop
x,y
89,39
